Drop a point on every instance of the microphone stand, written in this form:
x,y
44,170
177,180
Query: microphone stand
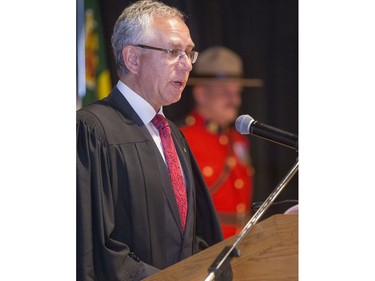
x,y
224,258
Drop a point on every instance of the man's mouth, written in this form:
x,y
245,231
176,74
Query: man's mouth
x,y
178,83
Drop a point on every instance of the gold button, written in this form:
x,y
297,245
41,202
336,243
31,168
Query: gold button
x,y
190,120
238,183
212,127
240,208
223,140
207,171
231,161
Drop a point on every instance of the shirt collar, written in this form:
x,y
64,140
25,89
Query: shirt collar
x,y
145,111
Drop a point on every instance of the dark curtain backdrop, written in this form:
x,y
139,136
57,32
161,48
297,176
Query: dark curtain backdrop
x,y
265,34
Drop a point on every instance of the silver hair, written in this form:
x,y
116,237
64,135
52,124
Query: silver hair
x,y
135,26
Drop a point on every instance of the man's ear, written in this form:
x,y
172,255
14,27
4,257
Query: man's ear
x,y
131,56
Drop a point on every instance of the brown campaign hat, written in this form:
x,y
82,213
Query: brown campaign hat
x,y
219,62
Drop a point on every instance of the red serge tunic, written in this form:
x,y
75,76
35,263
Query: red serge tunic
x,y
224,159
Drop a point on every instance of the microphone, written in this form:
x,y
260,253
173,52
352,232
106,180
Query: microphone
x,y
245,125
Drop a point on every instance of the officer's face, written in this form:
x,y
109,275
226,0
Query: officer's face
x,y
222,101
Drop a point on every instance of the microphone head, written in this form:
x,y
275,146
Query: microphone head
x,y
243,123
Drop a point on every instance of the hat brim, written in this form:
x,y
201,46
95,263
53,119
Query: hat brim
x,y
245,82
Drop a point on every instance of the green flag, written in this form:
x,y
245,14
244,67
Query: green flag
x,y
98,79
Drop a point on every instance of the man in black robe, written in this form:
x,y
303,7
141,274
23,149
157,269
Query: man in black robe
x,y
128,226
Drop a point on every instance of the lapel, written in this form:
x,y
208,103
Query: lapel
x,y
118,101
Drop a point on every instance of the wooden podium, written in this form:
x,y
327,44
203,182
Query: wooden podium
x,y
268,252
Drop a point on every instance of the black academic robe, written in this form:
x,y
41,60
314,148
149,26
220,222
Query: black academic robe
x,y
127,217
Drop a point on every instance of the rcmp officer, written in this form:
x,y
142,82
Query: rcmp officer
x,y
222,153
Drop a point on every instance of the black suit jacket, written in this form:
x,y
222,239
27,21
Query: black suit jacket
x,y
127,216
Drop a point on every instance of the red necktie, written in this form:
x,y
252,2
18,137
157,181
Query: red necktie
x,y
173,163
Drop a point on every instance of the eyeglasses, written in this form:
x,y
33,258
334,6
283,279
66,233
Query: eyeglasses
x,y
174,53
